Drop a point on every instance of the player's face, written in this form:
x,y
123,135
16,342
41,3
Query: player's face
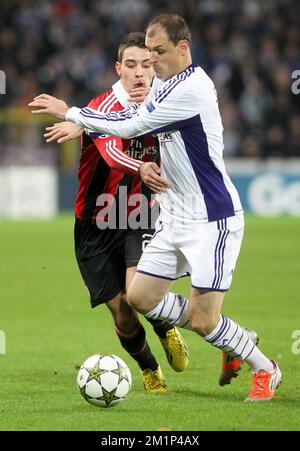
x,y
167,58
135,69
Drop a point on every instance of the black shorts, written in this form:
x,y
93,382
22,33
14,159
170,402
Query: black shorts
x,y
104,255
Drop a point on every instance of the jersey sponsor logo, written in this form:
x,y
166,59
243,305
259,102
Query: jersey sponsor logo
x,y
164,137
150,107
138,154
137,149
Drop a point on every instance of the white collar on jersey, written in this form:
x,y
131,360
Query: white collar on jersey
x,y
121,94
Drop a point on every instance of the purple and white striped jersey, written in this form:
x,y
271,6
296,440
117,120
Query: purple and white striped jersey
x,y
184,112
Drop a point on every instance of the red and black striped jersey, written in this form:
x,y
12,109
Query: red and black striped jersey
x,y
109,162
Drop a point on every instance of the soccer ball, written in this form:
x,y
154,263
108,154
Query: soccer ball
x,y
104,380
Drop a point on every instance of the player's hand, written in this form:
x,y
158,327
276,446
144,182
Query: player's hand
x,y
138,93
48,104
62,132
150,175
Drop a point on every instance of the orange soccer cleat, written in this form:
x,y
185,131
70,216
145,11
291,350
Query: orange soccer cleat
x,y
264,384
230,368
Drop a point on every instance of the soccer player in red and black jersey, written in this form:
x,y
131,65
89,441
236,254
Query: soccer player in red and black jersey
x,y
107,257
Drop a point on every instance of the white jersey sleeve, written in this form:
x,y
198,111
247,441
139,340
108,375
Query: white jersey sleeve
x,y
184,112
167,107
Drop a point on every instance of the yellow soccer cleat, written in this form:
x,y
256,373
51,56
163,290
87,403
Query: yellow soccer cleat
x,y
176,350
154,381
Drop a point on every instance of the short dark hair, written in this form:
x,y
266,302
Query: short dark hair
x,y
135,39
175,26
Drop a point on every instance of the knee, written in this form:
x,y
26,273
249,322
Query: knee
x,y
123,316
204,324
134,300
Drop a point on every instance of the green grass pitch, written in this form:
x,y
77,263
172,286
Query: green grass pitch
x,y
49,328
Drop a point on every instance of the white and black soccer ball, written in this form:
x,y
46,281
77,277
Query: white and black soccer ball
x,y
104,380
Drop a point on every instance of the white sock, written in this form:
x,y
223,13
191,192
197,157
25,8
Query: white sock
x,y
174,309
235,341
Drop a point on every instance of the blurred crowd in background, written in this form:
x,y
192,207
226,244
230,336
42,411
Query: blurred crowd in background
x,y
250,48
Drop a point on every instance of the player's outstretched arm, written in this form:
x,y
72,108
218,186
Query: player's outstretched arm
x,y
50,105
62,132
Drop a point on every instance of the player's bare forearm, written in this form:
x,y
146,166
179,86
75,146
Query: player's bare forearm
x,y
50,105
62,132
150,175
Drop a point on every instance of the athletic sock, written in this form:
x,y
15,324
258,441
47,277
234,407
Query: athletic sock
x,y
160,327
235,341
174,309
136,345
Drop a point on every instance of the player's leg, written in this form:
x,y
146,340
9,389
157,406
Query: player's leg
x,y
169,336
132,336
225,334
159,259
104,275
146,291
175,307
212,258
209,283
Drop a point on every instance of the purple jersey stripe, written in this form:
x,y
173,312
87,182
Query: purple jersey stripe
x,y
169,86
219,253
156,275
115,117
216,196
162,91
210,288
163,95
221,268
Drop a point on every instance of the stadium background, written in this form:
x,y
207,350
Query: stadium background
x,y
67,48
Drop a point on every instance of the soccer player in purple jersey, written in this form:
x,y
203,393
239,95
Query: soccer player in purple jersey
x,y
200,228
